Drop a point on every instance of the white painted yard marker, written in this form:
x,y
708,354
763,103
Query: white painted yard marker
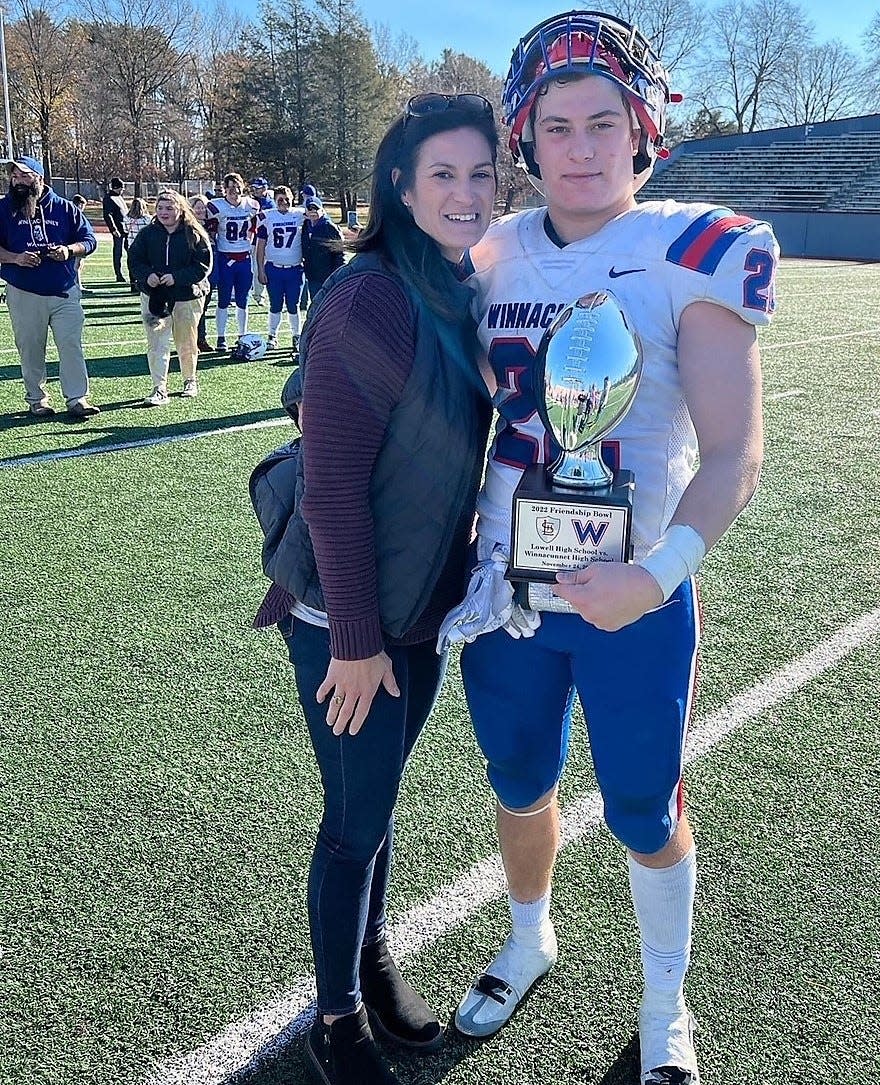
x,y
146,442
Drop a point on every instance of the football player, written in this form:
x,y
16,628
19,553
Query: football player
x,y
259,187
230,220
279,261
586,101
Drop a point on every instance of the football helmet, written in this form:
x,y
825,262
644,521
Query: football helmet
x,y
249,348
581,43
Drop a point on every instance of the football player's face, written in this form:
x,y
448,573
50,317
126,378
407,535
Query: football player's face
x,y
453,190
584,144
233,191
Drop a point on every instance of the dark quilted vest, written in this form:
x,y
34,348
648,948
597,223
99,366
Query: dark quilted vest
x,y
426,476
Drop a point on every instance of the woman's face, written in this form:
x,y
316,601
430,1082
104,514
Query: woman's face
x,y
168,213
200,209
453,189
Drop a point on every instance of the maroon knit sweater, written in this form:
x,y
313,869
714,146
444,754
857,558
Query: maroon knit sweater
x,y
364,326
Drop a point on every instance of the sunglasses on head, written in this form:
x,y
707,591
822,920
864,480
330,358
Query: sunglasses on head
x,y
425,105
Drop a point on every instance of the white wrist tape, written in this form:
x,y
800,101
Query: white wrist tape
x,y
674,557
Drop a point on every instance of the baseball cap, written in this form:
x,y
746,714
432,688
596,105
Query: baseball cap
x,y
313,203
258,182
25,162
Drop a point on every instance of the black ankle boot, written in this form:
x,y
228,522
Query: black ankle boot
x,y
396,1011
345,1052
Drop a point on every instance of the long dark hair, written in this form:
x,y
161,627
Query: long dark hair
x,y
391,230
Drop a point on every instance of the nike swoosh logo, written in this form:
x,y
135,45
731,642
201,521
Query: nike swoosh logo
x,y
612,274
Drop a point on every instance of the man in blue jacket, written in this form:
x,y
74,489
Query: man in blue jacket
x,y
41,235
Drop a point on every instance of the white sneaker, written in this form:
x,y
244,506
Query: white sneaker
x,y
667,1048
157,398
271,342
190,389
499,990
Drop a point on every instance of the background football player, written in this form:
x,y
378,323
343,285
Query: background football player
x,y
586,99
279,261
230,219
259,187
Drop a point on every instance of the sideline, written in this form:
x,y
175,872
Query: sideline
x,y
281,1020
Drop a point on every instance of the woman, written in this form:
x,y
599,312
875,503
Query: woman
x,y
199,204
395,418
170,261
279,262
136,219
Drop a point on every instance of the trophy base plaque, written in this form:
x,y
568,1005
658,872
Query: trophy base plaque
x,y
553,529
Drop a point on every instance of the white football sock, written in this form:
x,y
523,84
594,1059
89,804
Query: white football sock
x,y
222,317
294,322
664,905
242,315
531,921
274,321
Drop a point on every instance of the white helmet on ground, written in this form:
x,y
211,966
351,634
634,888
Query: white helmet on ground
x,y
250,347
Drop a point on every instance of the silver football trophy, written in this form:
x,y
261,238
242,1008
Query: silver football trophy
x,y
576,510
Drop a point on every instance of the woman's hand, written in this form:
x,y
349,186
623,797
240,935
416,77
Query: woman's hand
x,y
354,683
261,277
167,279
153,280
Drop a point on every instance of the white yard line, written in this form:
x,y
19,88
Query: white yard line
x,y
789,394
283,1018
819,339
146,442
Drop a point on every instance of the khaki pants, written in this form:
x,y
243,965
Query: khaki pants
x,y
182,325
32,316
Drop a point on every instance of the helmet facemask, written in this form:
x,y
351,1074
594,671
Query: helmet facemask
x,y
581,44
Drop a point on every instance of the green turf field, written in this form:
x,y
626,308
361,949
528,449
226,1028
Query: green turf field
x,y
159,797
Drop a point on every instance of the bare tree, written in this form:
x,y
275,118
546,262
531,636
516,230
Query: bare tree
x,y
820,83
144,45
399,63
41,54
676,29
215,71
745,58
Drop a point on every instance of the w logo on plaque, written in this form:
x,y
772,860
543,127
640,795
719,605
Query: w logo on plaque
x,y
548,527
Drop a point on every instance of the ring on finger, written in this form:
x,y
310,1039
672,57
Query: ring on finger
x,y
338,699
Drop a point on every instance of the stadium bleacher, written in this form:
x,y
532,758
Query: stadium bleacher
x,y
823,173
818,184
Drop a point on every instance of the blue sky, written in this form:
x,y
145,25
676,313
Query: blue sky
x,y
477,28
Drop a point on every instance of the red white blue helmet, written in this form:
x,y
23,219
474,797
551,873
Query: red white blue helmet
x,y
584,43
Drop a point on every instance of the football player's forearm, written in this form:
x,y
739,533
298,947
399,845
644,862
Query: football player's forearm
x,y
722,487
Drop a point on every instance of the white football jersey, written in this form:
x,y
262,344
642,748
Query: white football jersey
x,y
656,260
234,223
282,231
